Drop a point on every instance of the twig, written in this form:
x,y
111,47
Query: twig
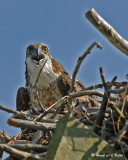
x,y
113,106
38,97
20,154
20,114
91,92
80,59
107,30
40,72
110,125
103,78
104,101
30,124
122,132
114,128
100,115
117,84
58,108
103,130
86,92
45,112
4,137
124,145
117,91
122,109
27,147
37,136
25,115
8,110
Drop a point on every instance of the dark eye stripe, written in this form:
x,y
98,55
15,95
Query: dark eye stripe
x,y
30,49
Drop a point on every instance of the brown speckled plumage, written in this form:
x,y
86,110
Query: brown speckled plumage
x,y
22,99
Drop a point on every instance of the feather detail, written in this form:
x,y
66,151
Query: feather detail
x,y
22,99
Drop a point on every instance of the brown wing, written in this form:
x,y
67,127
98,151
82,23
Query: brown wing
x,y
64,80
64,83
26,76
22,99
57,67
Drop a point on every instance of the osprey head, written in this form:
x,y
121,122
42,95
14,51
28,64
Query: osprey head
x,y
38,53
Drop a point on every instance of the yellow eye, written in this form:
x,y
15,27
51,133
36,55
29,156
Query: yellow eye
x,y
45,50
29,50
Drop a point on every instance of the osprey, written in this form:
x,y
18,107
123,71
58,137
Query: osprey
x,y
46,79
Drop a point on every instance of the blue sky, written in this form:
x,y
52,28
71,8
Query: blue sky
x,y
62,25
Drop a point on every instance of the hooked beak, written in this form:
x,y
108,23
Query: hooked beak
x,y
37,56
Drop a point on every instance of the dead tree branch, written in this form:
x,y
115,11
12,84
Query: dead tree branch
x,y
108,31
114,107
30,124
104,101
117,84
80,60
20,154
28,147
8,110
122,132
91,92
49,108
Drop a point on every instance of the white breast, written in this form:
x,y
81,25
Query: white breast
x,y
46,86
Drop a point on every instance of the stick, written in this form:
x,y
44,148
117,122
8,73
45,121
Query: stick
x,y
37,136
86,92
80,60
122,109
4,137
117,91
35,147
30,124
108,31
104,101
38,97
122,132
8,110
117,84
45,112
91,92
19,114
113,106
20,154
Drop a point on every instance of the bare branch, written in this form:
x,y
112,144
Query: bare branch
x,y
104,101
30,124
27,147
122,109
113,106
91,92
80,60
4,137
86,92
117,84
37,136
117,90
107,30
8,110
53,105
20,114
19,154
122,132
